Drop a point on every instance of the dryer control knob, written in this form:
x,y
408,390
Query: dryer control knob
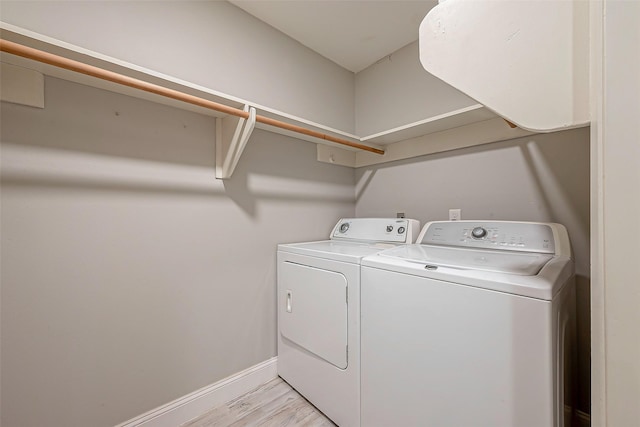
x,y
478,232
344,227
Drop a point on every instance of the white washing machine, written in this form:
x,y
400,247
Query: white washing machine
x,y
319,311
470,326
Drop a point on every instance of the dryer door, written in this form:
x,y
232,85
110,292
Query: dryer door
x,y
313,310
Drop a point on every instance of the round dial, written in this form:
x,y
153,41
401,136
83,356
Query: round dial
x,y
401,230
389,228
344,227
478,232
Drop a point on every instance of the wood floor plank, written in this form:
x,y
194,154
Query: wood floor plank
x,y
260,414
317,419
258,398
273,404
220,416
288,415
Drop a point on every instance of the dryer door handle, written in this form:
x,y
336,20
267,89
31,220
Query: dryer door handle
x,y
288,301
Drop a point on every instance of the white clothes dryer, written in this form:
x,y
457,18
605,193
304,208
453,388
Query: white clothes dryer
x,y
319,311
470,326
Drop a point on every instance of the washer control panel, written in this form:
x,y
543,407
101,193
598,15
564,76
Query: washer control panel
x,y
504,235
393,230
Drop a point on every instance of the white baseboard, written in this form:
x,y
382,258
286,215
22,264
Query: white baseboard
x,y
193,404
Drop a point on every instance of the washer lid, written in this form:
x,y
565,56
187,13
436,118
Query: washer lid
x,y
518,263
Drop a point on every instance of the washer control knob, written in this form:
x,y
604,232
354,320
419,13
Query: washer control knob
x,y
344,227
389,228
478,232
401,230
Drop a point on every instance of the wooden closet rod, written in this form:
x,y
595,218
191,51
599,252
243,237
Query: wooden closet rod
x,y
90,70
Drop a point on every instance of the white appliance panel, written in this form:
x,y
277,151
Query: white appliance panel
x,y
335,391
392,230
315,311
442,354
501,235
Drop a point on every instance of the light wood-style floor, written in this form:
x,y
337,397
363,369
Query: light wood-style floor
x,y
274,404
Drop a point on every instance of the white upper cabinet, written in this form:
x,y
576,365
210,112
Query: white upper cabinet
x,y
525,60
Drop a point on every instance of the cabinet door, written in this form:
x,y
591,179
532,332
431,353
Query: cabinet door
x,y
312,311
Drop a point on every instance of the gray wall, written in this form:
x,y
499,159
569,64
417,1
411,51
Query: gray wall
x,y
536,178
130,275
396,91
211,43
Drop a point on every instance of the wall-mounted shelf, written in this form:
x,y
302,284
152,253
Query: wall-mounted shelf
x,y
32,52
464,116
462,133
456,129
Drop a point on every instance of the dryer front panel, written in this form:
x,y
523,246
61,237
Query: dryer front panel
x,y
313,310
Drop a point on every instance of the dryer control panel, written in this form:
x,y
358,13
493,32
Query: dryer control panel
x,y
503,235
392,230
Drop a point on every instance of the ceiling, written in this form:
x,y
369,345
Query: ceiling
x,y
352,33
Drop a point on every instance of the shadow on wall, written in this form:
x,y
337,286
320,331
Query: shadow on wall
x,y
271,168
155,149
551,167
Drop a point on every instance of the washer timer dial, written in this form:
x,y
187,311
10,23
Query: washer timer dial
x,y
478,233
